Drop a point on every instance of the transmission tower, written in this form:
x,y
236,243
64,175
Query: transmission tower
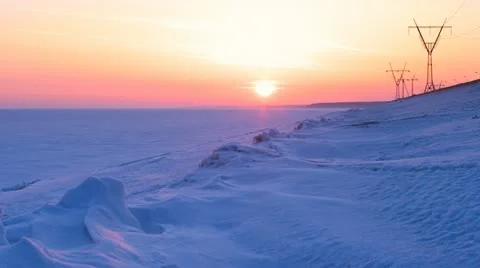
x,y
440,85
412,80
404,87
399,80
430,47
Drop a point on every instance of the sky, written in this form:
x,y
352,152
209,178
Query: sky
x,y
165,53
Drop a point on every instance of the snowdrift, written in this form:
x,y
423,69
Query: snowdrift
x,y
232,153
92,215
396,185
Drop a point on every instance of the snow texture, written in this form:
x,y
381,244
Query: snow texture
x,y
19,187
266,136
3,240
396,185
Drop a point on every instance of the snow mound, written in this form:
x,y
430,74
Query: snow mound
x,y
266,136
104,194
235,153
310,123
91,215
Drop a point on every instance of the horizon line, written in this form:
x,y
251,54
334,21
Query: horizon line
x,y
310,105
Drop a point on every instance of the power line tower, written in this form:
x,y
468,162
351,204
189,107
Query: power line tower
x,y
439,86
404,87
430,47
399,80
412,80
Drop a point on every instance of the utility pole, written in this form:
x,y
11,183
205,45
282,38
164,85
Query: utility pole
x,y
413,79
399,80
430,47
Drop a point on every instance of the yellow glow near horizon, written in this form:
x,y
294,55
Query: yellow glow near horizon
x,y
265,88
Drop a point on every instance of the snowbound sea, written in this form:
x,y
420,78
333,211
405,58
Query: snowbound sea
x,y
65,146
395,185
48,144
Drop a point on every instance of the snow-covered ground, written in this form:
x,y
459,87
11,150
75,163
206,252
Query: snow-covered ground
x,y
48,144
396,185
56,149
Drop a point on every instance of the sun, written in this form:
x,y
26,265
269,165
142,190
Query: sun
x,y
265,88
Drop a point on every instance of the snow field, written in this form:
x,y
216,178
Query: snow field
x,y
396,185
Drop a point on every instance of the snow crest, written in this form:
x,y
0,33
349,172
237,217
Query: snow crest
x,y
236,154
92,215
266,136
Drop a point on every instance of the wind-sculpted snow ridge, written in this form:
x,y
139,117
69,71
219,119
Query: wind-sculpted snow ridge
x,y
19,187
396,185
89,227
266,136
234,153
310,123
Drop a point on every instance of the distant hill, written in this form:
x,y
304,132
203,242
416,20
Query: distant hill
x,y
452,87
468,83
344,104
331,105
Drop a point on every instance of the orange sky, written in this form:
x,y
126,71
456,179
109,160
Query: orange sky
x,y
157,53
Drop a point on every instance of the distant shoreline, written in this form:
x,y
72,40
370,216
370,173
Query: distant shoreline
x,y
332,105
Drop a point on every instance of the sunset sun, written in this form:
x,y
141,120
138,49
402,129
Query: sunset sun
x,y
265,88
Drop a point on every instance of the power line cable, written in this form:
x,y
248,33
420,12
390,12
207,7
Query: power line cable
x,y
464,34
460,7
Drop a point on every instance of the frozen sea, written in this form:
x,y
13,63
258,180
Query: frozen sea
x,y
56,144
